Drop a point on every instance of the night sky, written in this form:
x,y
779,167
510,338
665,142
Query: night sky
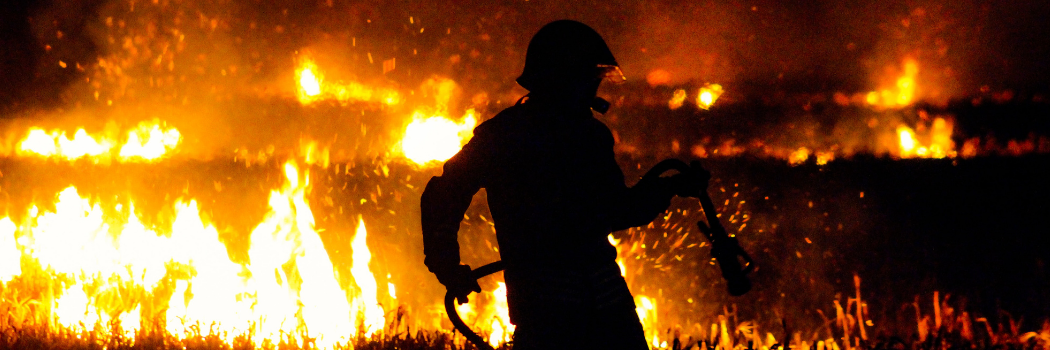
x,y
799,46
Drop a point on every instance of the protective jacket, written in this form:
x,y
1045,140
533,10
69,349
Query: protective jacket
x,y
555,192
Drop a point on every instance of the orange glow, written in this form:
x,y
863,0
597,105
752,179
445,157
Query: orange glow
x,y
82,145
10,262
677,100
366,300
312,86
103,251
938,141
907,141
658,77
309,82
502,329
707,95
149,141
799,156
646,309
902,92
823,157
436,138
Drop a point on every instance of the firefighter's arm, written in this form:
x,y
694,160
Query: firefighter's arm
x,y
444,201
641,204
633,206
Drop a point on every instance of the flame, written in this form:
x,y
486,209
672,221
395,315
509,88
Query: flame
x,y
903,91
10,262
217,289
907,140
57,144
799,156
309,82
707,95
619,260
149,141
312,87
940,144
646,309
287,235
325,305
111,262
314,154
677,100
81,145
373,319
436,138
39,142
502,329
823,157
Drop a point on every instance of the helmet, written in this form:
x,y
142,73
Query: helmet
x,y
566,50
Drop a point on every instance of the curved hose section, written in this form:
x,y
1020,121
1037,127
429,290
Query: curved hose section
x,y
450,306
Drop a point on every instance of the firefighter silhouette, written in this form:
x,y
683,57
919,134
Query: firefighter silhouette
x,y
555,193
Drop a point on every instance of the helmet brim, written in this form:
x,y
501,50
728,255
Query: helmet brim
x,y
611,73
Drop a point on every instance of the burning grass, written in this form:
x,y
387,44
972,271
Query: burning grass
x,y
946,328
317,214
681,300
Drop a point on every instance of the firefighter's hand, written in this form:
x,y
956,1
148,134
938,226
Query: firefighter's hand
x,y
692,182
459,282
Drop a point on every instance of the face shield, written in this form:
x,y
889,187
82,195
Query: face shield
x,y
612,74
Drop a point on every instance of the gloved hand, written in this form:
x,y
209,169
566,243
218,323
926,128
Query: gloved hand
x,y
691,182
458,281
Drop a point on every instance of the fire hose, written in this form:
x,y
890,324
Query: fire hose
x,y
450,306
725,249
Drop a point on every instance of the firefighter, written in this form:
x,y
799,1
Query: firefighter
x,y
555,193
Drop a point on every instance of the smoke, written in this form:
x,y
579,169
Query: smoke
x,y
764,45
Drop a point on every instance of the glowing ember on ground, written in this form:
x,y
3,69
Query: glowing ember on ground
x,y
436,138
